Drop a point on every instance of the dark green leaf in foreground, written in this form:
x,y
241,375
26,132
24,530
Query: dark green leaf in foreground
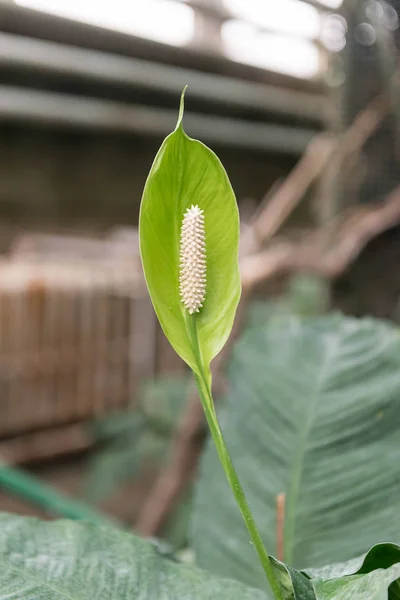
x,y
69,560
312,411
372,577
185,173
66,560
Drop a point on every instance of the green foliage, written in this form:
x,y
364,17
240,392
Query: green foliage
x,y
374,576
305,296
370,577
186,172
175,530
77,561
312,412
127,439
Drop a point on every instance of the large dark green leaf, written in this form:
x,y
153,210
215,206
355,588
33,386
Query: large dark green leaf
x,y
185,173
313,411
371,577
67,560
373,586
374,576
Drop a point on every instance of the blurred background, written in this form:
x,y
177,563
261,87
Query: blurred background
x,y
299,98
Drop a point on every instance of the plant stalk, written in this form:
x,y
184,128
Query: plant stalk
x,y
230,472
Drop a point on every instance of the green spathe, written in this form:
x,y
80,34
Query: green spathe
x,y
184,173
187,174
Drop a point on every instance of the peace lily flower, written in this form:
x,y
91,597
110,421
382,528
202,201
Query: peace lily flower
x,y
189,238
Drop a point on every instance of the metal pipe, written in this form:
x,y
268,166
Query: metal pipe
x,y
31,489
20,52
22,104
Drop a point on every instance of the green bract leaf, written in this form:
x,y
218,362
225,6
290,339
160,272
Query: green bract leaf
x,y
313,412
186,173
294,584
66,560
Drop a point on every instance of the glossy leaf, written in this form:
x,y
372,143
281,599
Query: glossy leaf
x,y
374,576
373,586
66,560
185,173
312,411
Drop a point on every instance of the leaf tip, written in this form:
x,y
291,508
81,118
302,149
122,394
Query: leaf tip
x,y
181,108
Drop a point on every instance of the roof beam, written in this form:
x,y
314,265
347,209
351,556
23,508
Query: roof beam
x,y
67,111
44,57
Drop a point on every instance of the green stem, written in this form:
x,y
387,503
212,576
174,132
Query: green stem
x,y
230,472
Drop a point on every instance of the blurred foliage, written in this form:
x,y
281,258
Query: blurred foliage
x,y
128,439
306,295
311,412
176,528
